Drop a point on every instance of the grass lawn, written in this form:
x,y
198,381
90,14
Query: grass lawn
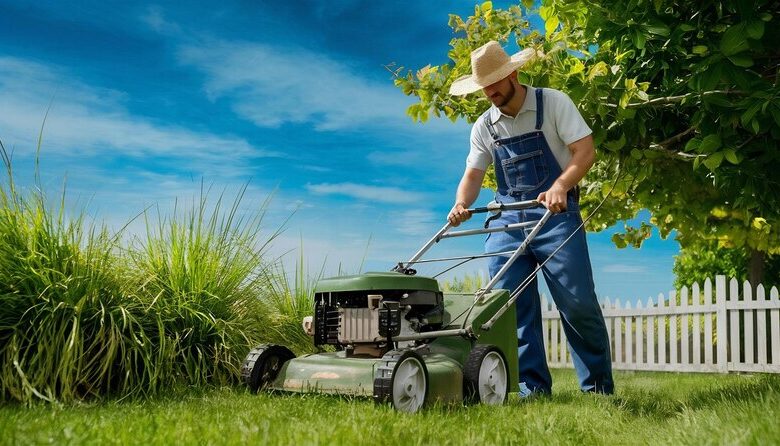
x,y
648,408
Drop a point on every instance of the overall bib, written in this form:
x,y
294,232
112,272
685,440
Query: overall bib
x,y
526,167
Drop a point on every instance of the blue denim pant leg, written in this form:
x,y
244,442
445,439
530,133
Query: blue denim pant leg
x,y
534,376
570,279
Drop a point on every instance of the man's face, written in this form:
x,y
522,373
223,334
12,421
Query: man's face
x,y
501,92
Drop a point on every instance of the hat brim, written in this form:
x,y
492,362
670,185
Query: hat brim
x,y
470,83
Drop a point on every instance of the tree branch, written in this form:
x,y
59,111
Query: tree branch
x,y
679,155
665,145
669,100
676,138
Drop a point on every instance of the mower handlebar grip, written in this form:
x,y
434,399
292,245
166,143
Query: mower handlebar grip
x,y
495,206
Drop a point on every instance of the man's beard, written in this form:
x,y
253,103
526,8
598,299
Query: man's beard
x,y
509,96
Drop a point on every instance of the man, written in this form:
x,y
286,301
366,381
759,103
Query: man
x,y
542,148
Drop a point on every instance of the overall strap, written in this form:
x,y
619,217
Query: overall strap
x,y
490,127
539,109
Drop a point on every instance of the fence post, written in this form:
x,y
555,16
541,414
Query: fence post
x,y
721,323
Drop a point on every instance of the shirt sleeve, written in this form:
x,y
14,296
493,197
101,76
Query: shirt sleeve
x,y
569,122
480,156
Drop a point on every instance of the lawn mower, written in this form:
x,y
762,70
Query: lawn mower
x,y
396,337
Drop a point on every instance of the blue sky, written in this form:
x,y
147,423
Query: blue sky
x,y
149,99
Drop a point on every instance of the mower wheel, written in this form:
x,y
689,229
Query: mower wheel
x,y
262,364
486,376
401,379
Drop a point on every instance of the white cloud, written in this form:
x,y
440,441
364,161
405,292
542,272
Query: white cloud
x,y
623,269
418,222
366,192
86,120
272,85
154,19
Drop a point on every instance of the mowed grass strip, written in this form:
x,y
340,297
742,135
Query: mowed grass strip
x,y
648,408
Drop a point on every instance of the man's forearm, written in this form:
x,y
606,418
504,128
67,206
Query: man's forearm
x,y
468,189
581,161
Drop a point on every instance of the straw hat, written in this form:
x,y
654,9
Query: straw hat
x,y
489,64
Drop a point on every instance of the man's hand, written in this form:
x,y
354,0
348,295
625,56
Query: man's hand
x,y
458,214
554,199
583,157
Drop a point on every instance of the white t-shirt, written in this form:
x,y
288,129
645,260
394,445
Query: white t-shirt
x,y
562,126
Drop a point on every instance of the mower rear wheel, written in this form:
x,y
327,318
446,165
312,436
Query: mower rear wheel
x,y
486,376
262,365
401,379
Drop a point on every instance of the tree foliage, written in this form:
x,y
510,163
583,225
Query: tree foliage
x,y
683,99
696,264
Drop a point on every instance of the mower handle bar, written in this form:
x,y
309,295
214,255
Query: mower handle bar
x,y
491,207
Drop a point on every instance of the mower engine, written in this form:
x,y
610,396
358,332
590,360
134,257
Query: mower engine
x,y
365,322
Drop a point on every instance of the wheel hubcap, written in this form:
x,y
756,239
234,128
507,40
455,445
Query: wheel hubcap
x,y
409,385
492,379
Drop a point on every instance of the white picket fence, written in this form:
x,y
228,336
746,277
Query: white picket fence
x,y
731,330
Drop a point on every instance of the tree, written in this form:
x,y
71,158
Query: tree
x,y
697,263
683,98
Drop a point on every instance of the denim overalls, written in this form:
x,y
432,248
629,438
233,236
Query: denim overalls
x,y
525,167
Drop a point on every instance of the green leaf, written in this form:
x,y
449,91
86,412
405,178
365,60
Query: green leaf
x,y
659,29
741,60
599,69
710,78
413,111
700,49
616,145
710,143
713,161
731,156
578,67
718,99
544,12
686,27
550,25
422,115
755,29
639,39
636,154
624,99
733,40
693,145
749,113
765,16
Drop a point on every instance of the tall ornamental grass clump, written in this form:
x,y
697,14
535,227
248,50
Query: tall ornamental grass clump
x,y
201,272
286,304
67,330
82,316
